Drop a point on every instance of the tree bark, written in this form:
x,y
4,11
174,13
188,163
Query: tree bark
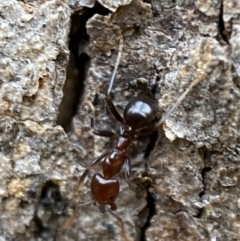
x,y
56,61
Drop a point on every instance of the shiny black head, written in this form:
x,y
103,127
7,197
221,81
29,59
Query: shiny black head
x,y
139,113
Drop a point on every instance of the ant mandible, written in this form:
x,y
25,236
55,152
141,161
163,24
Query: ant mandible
x,y
138,118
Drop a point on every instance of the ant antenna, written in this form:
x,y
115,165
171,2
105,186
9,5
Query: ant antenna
x,y
111,106
180,99
70,220
117,62
123,232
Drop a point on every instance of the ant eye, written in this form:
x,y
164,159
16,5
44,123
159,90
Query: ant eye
x,y
126,128
113,156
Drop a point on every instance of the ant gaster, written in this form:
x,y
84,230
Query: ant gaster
x,y
138,118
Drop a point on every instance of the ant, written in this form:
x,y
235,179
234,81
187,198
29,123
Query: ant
x,y
139,118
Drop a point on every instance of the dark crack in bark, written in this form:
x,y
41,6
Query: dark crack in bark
x,y
151,212
207,168
78,65
221,26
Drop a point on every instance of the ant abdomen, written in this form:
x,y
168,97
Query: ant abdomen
x,y
104,191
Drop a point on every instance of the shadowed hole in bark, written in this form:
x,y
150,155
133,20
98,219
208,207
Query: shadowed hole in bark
x,y
38,226
78,66
51,205
147,1
203,173
200,213
201,193
23,204
235,77
51,198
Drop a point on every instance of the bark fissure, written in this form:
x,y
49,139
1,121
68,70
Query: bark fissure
x,y
78,65
221,25
151,144
151,212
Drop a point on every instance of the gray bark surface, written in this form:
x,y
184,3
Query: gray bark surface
x,y
185,177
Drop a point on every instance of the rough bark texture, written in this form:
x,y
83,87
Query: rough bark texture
x,y
185,179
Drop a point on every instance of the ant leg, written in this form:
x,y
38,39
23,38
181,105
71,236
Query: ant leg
x,y
180,99
104,133
113,109
70,220
82,178
108,97
123,232
127,167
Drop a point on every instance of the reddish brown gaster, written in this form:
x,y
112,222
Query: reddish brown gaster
x,y
104,191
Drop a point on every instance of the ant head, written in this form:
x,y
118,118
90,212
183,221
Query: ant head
x,y
139,113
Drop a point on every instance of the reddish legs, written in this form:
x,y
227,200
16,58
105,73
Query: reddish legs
x,y
85,173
